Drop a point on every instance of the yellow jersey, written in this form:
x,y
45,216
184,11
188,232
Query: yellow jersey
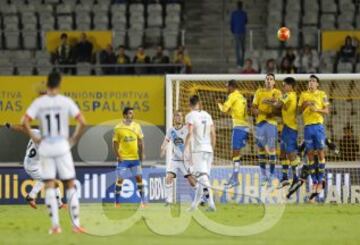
x,y
319,100
264,94
288,110
127,137
236,105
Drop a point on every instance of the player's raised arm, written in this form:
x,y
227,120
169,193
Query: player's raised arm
x,y
16,127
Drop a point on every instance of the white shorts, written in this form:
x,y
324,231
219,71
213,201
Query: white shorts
x,y
32,168
178,166
62,165
201,162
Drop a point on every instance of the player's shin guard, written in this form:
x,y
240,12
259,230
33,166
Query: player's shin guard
x,y
74,206
170,192
36,189
294,165
321,171
272,162
312,168
285,169
118,188
52,205
262,163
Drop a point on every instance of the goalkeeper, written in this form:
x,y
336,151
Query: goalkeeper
x,y
236,106
305,170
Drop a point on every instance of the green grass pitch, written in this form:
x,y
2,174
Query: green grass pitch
x,y
300,224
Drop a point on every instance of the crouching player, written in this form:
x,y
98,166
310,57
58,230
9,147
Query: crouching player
x,y
128,147
176,135
32,167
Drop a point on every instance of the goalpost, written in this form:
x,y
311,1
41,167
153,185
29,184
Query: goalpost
x,y
342,127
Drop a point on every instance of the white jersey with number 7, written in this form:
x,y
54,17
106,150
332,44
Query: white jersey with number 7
x,y
201,122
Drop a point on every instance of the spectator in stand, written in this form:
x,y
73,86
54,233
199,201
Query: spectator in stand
x,y
160,58
270,67
307,61
248,67
108,57
122,59
238,29
349,144
141,58
290,55
286,67
84,49
64,53
348,51
184,60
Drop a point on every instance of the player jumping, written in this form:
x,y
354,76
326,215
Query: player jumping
x,y
53,111
32,167
314,105
200,142
176,135
288,145
236,105
266,126
128,146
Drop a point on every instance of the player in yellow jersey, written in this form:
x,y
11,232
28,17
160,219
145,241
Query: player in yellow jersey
x,y
266,126
128,146
236,106
289,134
314,104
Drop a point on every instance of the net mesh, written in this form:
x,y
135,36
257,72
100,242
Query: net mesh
x,y
342,124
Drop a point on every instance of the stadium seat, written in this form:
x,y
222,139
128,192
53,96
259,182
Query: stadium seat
x,y
155,21
271,39
72,3
83,69
292,19
173,9
293,7
154,9
135,38
26,8
136,8
328,6
12,39
101,22
274,17
64,9
172,19
310,36
30,40
345,67
43,66
6,67
119,38
327,21
347,17
83,21
100,8
310,18
51,1
152,36
65,22
118,9
357,21
82,9
170,38
8,9
44,9
345,26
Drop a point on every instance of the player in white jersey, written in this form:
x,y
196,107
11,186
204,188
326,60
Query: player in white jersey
x,y
53,111
200,143
176,136
32,167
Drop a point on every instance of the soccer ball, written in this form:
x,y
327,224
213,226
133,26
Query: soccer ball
x,y
283,34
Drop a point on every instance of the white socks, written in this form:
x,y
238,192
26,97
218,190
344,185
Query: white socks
x,y
203,182
73,205
36,189
170,192
58,196
51,203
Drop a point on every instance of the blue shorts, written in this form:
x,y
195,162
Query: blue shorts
x,y
266,135
314,136
289,140
128,168
240,136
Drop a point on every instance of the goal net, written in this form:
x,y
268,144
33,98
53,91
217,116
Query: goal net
x,y
342,128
